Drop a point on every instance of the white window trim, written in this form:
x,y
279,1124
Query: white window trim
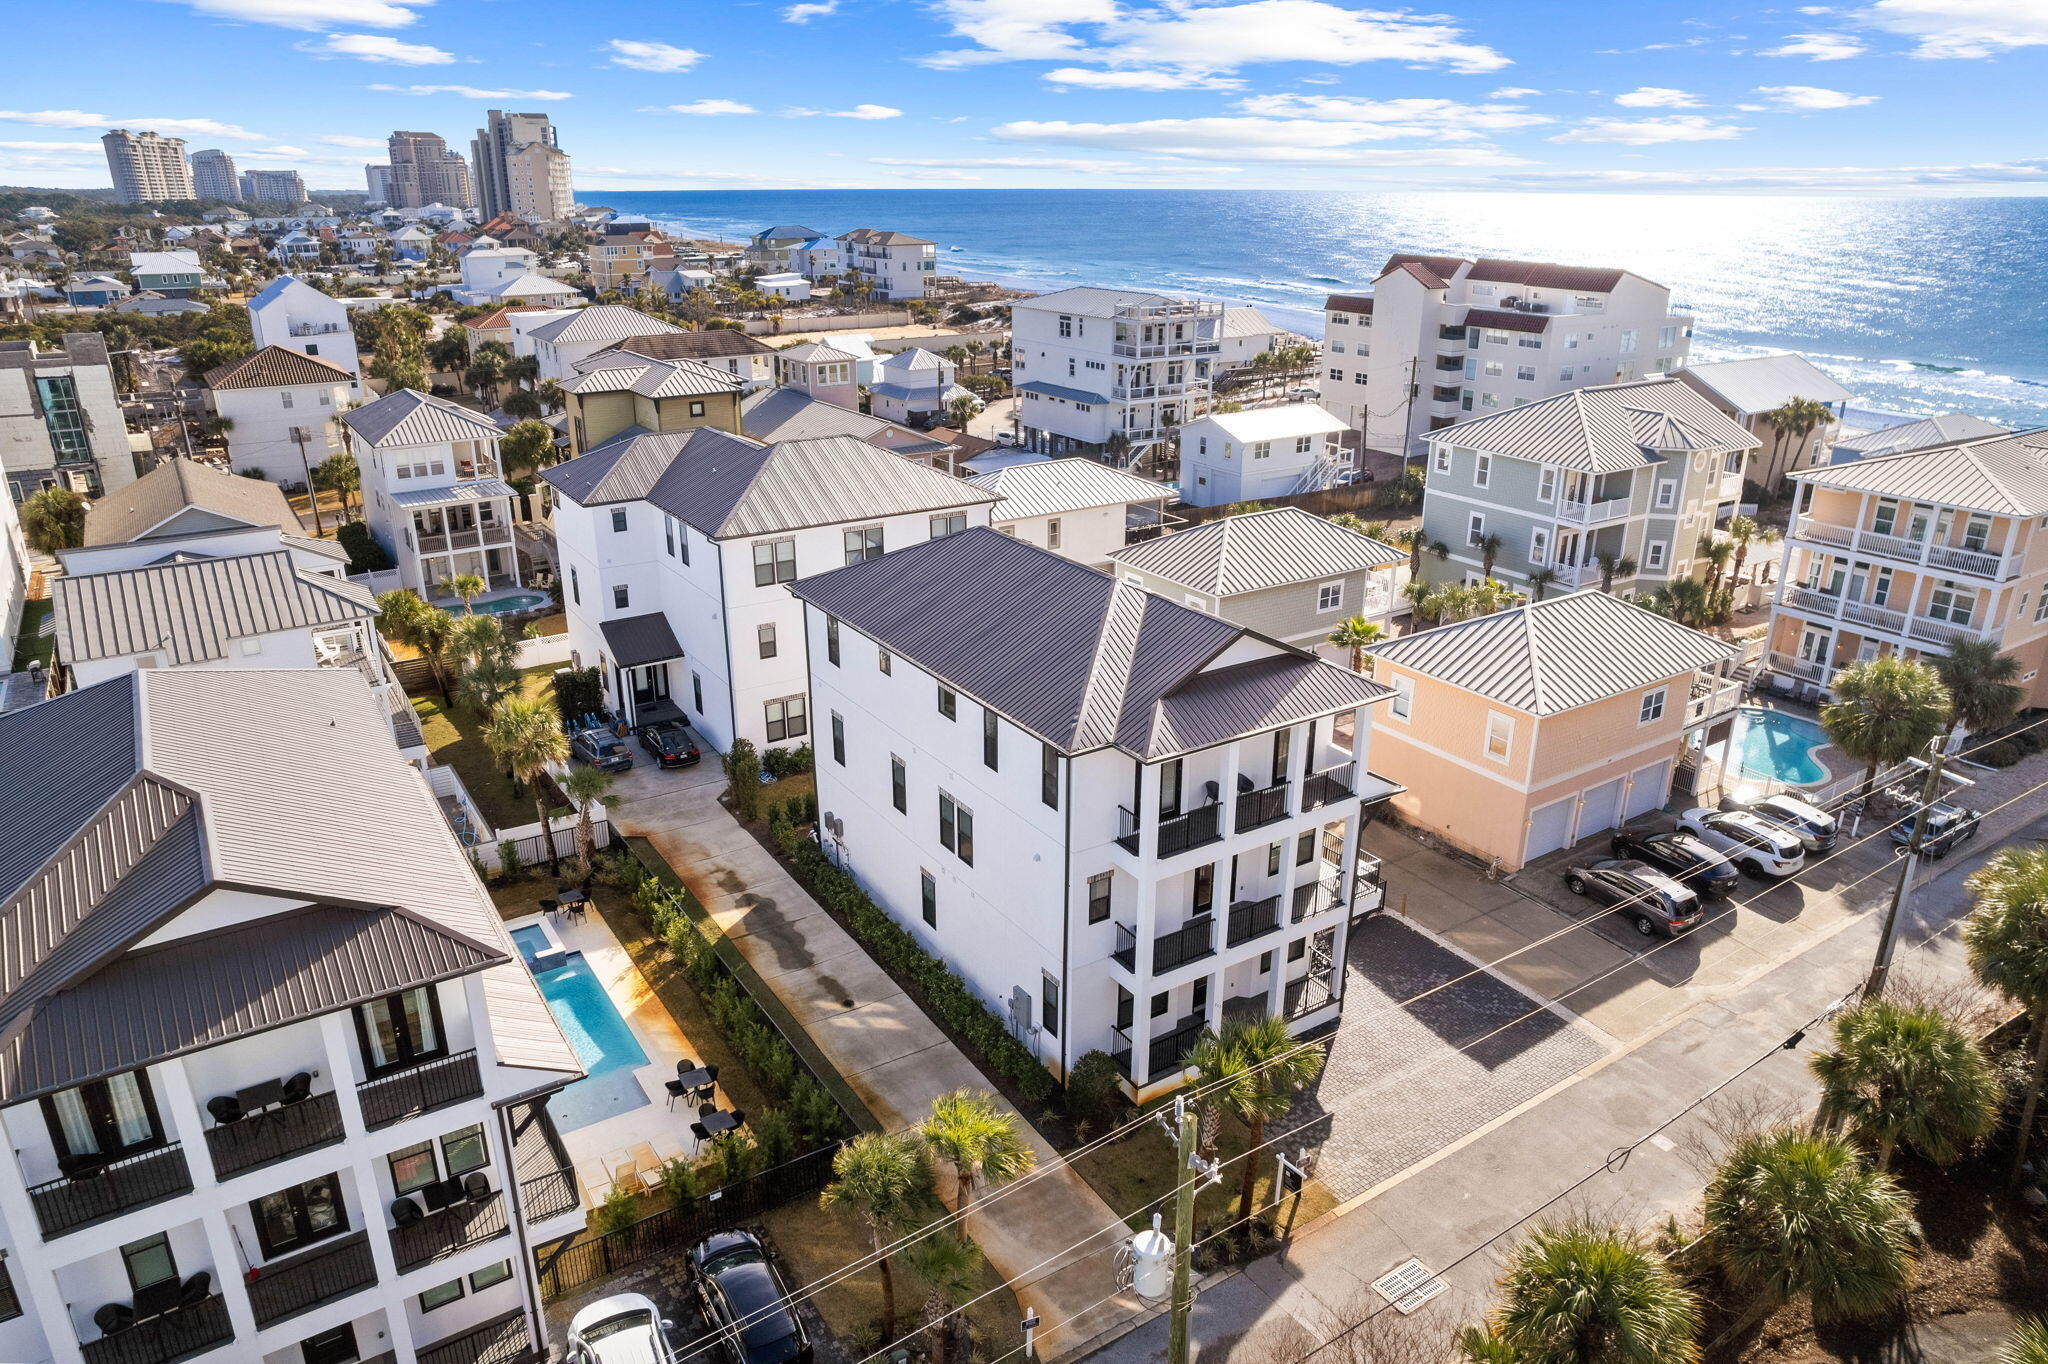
x,y
1337,605
1655,697
1667,494
1546,484
1402,707
1443,459
1482,470
1495,720
1539,546
1653,554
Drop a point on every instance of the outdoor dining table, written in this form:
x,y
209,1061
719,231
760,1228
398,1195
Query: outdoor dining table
x,y
571,896
261,1095
691,1080
721,1123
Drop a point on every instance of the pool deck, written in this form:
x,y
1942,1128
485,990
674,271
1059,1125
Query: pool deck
x,y
593,1149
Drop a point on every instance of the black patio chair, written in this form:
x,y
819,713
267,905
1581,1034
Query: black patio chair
x,y
739,1118
475,1186
113,1318
700,1133
196,1289
406,1213
675,1091
706,1110
685,1066
224,1109
298,1088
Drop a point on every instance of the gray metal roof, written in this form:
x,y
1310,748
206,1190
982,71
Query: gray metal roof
x,y
1048,487
810,352
2003,475
1606,429
190,610
1557,654
326,549
410,417
636,641
1072,655
471,490
1763,382
1085,301
1258,551
1943,429
618,372
131,513
605,323
1072,395
792,414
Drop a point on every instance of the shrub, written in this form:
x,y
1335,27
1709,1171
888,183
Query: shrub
x,y
743,780
617,1211
509,864
816,1112
578,691
774,1136
365,555
679,1181
732,1160
1092,1085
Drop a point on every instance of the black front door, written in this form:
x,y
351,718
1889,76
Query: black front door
x,y
400,1030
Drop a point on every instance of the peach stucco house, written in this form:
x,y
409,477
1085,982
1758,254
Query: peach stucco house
x,y
1529,730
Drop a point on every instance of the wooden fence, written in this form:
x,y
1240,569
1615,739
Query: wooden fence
x,y
1368,500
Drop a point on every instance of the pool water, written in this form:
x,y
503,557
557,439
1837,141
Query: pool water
x,y
597,1032
1778,746
517,601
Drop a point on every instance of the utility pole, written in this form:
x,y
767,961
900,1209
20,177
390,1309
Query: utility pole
x,y
312,493
1881,967
1186,1162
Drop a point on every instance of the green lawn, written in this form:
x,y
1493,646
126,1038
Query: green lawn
x,y
1136,1172
454,736
35,644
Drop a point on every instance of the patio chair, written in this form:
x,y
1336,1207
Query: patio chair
x,y
113,1318
196,1289
406,1213
739,1118
685,1066
298,1088
706,1110
475,1186
550,906
224,1109
675,1091
699,1133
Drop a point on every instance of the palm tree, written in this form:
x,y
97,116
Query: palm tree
x,y
525,734
551,396
339,474
586,786
1455,601
488,662
53,519
1794,1214
484,373
1718,553
428,629
1613,566
1260,1066
1742,533
2028,1343
467,586
885,1180
1579,1292
951,1270
1357,634
1540,580
1418,594
1411,540
1796,418
1907,1075
2007,938
1982,686
1489,550
1885,711
974,1133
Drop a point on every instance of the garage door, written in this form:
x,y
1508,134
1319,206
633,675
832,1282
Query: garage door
x,y
1649,787
1601,809
1550,828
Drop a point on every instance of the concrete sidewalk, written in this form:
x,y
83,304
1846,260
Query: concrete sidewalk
x,y
895,1058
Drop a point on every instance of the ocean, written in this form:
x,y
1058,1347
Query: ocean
x,y
1915,305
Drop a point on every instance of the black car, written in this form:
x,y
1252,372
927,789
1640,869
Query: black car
x,y
1654,903
601,749
1948,826
672,743
744,1300
1682,857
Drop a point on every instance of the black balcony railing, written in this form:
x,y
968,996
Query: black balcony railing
x,y
95,1193
1127,828
1327,787
1252,919
1317,897
421,1089
501,1340
1256,809
276,1134
160,1340
332,1270
1192,941
548,1195
1204,824
1126,952
456,1227
1169,1052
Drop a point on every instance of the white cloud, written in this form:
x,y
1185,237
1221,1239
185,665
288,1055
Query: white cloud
x,y
1441,119
812,9
860,111
1083,78
281,149
344,140
1875,179
177,127
1066,163
378,47
647,56
1657,97
1812,97
1962,28
1819,47
314,15
472,92
1513,92
1303,141
1650,131
1203,38
709,108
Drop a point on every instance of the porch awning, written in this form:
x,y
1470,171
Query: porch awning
x,y
475,490
636,641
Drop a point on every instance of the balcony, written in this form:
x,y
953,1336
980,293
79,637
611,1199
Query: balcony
x,y
1710,697
1257,809
1449,331
1868,617
1450,364
1975,563
317,328
548,1195
455,1227
1192,941
1177,833
421,1089
160,1340
473,537
95,1193
1249,919
1317,897
1168,1053
1445,393
1582,513
1810,670
262,1138
329,1271
1329,786
501,1340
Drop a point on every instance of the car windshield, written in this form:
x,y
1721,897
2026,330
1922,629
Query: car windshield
x,y
626,1324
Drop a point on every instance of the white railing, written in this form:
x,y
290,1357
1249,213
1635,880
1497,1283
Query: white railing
x,y
1947,558
1593,513
1711,696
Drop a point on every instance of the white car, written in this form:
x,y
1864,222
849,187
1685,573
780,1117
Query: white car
x,y
625,1328
1759,846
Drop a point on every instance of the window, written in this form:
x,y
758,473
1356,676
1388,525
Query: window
x,y
838,738
1403,704
696,409
464,1150
1525,372
1066,326
1500,732
683,541
490,1275
1048,1004
1161,1002
989,727
766,635
1667,493
1338,375
149,1261
882,660
1475,528
697,692
1628,340
956,828
1539,546
1262,449
1330,596
621,596
832,640
863,543
103,1119
1546,485
787,718
774,562
1482,471
286,395
2041,608
412,1167
1494,369
928,897
299,1216
400,1030
1273,855
668,535
899,785
1443,459
618,519
441,1295
1951,603
1884,520
575,588
1667,337
1052,533
1305,848
949,702
1652,708
948,523
1653,554
1098,897
1049,775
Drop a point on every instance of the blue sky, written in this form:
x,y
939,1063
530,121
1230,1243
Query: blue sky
x,y
1919,96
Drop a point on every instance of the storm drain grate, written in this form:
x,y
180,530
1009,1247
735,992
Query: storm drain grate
x,y
1408,1285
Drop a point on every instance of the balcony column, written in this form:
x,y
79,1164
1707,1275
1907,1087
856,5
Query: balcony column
x,y
1145,919
1232,763
173,1090
34,1276
337,1033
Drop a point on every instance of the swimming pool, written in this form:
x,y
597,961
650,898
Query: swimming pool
x,y
506,605
1779,746
595,1029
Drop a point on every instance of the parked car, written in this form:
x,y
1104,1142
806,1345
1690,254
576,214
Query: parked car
x,y
1681,857
601,749
1759,846
1948,827
744,1300
625,1328
673,743
1657,905
1816,827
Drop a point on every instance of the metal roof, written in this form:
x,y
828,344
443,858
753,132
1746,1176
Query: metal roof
x,y
1072,655
1558,654
473,490
1604,429
1072,395
1278,422
639,640
616,372
1048,487
131,513
1764,382
1943,429
276,367
1248,322
190,610
531,286
410,417
1090,302
809,352
2004,475
792,414
1258,551
606,323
